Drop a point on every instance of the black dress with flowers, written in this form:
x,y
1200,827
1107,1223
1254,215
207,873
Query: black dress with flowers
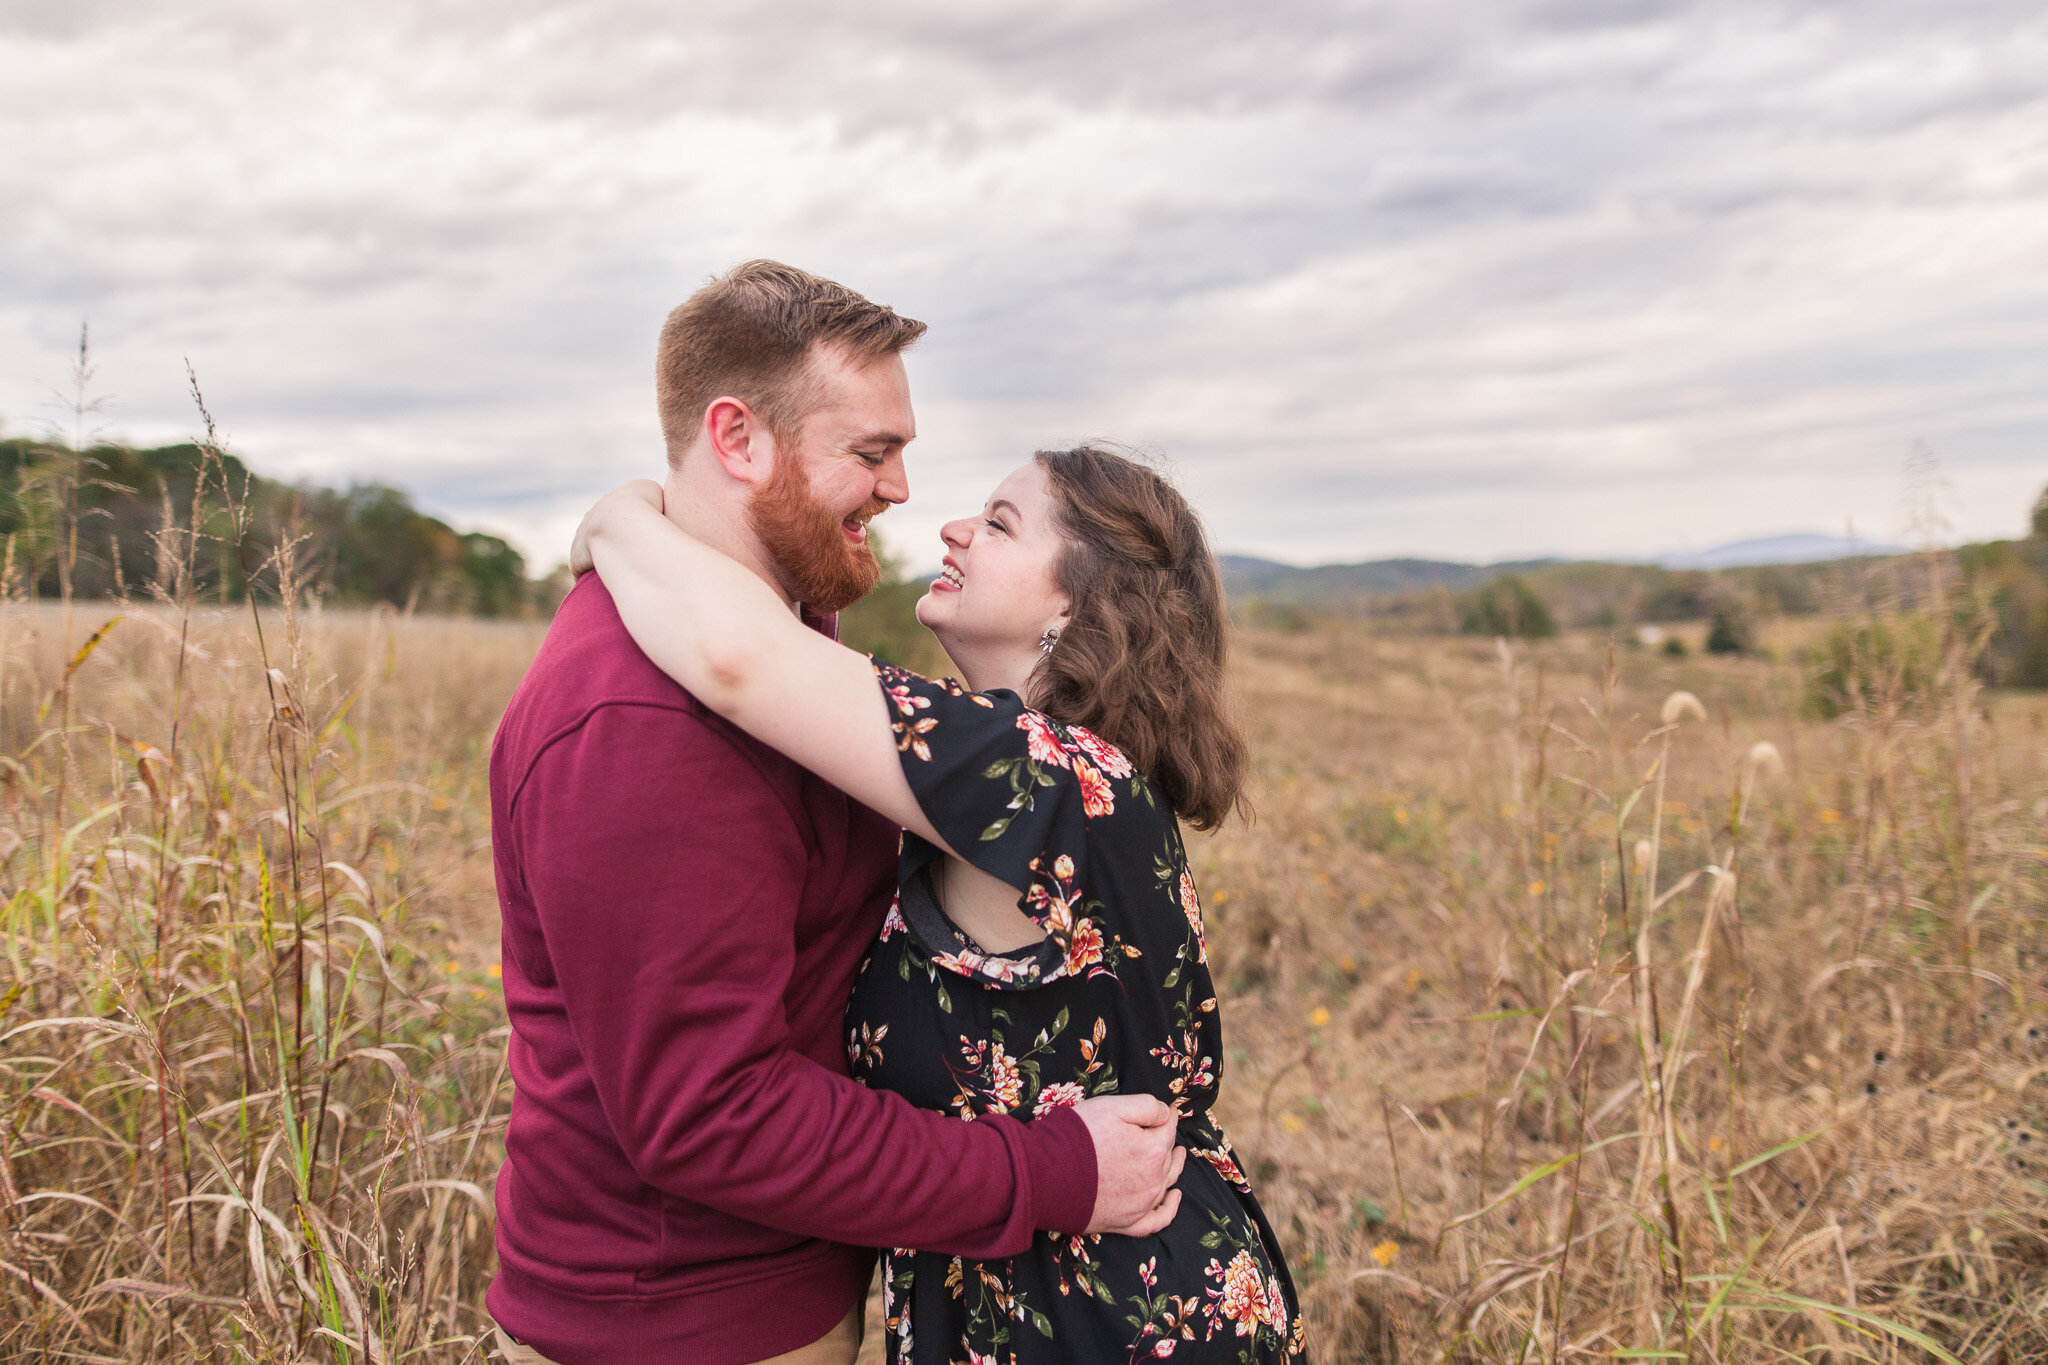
x,y
1116,999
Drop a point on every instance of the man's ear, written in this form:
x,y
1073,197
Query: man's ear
x,y
739,440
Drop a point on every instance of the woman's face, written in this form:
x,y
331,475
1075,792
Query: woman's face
x,y
995,587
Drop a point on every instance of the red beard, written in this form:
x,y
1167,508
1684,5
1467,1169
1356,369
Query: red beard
x,y
820,567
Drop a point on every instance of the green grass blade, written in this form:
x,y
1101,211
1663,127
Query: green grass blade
x,y
1775,1152
1850,1317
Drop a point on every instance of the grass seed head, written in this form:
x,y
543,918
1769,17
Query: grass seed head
x,y
1681,704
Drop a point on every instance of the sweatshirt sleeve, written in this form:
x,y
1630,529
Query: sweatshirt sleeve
x,y
666,872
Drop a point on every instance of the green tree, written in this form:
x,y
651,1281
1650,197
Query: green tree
x,y
1676,595
1731,629
884,623
2008,587
1507,606
496,573
1877,663
367,543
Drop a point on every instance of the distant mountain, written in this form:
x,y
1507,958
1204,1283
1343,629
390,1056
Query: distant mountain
x,y
1787,569
1245,576
1800,548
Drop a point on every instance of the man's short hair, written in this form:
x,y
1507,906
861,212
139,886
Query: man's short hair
x,y
750,334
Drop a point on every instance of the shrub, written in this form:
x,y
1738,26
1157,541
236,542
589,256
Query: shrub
x,y
1271,614
1786,589
884,623
1879,662
1510,608
2008,583
1676,596
1731,630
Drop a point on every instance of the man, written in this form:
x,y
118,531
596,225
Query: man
x,y
690,1175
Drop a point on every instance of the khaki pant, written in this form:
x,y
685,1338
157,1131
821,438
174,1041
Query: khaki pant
x,y
837,1347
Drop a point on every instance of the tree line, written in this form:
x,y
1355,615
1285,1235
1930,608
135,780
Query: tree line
x,y
1983,604
117,521
1989,598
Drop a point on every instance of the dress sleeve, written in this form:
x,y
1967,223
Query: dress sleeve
x,y
1031,802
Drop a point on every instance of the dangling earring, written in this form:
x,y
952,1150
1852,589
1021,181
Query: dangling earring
x,y
1049,639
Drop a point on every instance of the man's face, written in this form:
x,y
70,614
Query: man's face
x,y
841,467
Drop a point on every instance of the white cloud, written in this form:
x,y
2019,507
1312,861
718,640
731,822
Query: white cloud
x,y
1493,281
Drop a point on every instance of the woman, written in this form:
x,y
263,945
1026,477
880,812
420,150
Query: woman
x,y
1046,944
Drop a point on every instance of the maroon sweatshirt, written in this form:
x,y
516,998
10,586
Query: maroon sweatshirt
x,y
689,1173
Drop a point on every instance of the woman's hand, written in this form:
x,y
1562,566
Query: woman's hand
x,y
645,490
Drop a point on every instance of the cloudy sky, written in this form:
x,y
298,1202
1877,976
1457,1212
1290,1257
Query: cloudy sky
x,y
1476,280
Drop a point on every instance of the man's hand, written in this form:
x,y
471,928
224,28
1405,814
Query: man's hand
x,y
646,490
1136,1163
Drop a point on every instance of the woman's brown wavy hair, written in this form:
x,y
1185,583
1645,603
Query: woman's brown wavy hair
x,y
1140,660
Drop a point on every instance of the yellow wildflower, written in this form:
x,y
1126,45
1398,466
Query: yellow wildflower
x,y
1318,1017
1385,1253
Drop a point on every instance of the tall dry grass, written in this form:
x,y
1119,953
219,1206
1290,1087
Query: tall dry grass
x,y
252,1069
1588,1005
1564,1021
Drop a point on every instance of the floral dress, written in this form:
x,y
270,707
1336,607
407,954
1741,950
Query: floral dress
x,y
1116,999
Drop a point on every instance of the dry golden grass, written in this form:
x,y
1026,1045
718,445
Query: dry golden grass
x,y
251,1053
1483,1132
251,1059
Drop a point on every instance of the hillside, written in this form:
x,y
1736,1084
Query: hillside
x,y
1991,598
1580,592
1335,584
1798,548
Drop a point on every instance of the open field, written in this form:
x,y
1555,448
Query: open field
x,y
1444,1056
1554,1030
